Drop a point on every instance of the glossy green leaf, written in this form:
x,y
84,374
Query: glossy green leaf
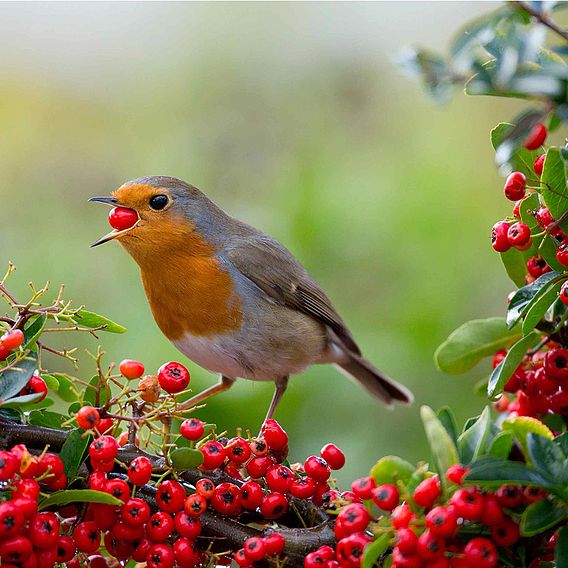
x,y
473,341
88,319
525,297
503,372
539,308
33,331
541,516
553,184
448,420
79,496
375,550
74,451
390,469
546,456
62,386
492,472
14,380
515,265
522,426
472,443
444,451
561,548
21,401
46,419
186,458
501,445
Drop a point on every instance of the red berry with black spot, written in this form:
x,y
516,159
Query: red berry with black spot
x,y
386,496
278,478
354,518
251,495
481,553
36,385
273,506
170,496
467,503
317,468
135,512
334,457
241,559
538,164
16,549
499,236
65,548
442,521
537,266
159,527
519,234
406,541
11,520
255,548
563,294
456,473
12,339
205,487
556,364
506,533
275,543
274,435
510,496
430,546
131,369
160,556
350,549
195,505
515,186
118,488
562,254
44,530
427,491
103,449
192,429
173,377
227,499
303,487
87,537
186,553
213,455
8,465
187,525
536,137
140,471
532,494
237,450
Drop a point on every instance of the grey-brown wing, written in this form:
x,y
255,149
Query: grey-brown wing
x,y
280,276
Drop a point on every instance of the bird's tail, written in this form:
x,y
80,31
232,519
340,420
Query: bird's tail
x,y
376,383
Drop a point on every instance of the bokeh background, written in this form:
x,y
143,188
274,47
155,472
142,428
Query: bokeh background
x,y
294,118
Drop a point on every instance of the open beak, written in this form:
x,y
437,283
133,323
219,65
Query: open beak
x,y
114,233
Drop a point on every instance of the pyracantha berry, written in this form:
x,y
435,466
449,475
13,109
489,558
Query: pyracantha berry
x,y
122,218
192,429
173,377
170,496
131,369
536,137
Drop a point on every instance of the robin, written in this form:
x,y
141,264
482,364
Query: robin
x,y
231,298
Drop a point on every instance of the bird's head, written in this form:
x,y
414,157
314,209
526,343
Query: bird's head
x,y
168,214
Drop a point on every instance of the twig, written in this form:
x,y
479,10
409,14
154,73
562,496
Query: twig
x,y
543,19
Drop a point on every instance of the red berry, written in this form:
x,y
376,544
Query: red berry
x,y
16,549
170,496
121,218
317,468
131,369
12,339
105,425
499,236
350,549
456,473
275,544
87,537
173,377
562,254
87,417
556,364
186,525
255,548
44,530
118,488
427,491
442,521
227,499
192,429
51,463
533,494
544,217
492,511
303,487
481,553
510,496
273,505
186,552
354,518
406,541
274,435
140,471
36,385
538,164
278,478
334,457
519,234
505,534
195,505
401,516
159,527
213,455
386,496
536,137
65,549
430,546
135,512
258,466
237,450
11,520
401,560
515,186
563,294
241,559
468,503
160,556
104,448
9,466
4,353
251,495
205,487
537,266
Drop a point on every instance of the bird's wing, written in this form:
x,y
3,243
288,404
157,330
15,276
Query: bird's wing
x,y
281,277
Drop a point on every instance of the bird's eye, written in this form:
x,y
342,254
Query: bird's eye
x,y
158,202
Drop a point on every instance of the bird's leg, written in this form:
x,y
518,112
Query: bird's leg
x,y
224,384
281,385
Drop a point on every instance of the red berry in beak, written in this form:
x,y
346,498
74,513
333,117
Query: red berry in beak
x,y
121,218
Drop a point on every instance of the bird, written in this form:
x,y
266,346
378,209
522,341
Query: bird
x,y
231,298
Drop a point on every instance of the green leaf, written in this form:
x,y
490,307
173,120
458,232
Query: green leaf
x,y
541,516
553,183
442,446
46,419
546,456
375,550
14,380
33,331
492,472
522,426
526,296
501,445
448,420
510,151
539,308
471,444
515,265
561,548
21,401
473,341
186,458
73,452
390,469
79,496
62,386
88,319
503,372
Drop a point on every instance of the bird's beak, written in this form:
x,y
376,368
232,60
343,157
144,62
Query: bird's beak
x,y
114,233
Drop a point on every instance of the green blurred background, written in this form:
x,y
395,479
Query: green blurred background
x,y
294,118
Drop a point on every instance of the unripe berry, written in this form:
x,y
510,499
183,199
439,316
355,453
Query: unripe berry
x,y
121,218
515,186
536,137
